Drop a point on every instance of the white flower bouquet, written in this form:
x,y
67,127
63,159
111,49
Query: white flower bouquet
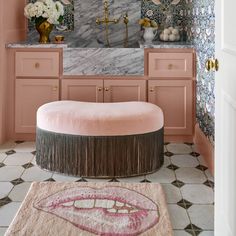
x,y
43,10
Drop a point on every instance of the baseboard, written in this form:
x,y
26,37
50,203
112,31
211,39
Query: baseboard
x,y
178,138
204,147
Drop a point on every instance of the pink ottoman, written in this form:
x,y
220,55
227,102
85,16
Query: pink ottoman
x,y
100,139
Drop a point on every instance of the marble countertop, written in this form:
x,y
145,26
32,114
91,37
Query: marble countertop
x,y
160,44
26,44
142,44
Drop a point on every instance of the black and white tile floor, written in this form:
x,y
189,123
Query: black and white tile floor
x,y
187,182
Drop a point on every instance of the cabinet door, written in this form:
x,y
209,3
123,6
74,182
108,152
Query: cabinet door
x,y
174,97
124,90
82,90
30,95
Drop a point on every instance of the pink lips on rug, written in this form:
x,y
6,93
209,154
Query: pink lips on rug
x,y
108,211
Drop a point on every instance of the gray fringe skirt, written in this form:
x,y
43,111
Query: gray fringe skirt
x,y
100,156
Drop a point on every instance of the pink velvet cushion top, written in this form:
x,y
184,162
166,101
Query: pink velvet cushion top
x,y
99,119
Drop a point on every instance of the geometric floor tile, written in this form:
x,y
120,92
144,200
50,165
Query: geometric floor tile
x,y
194,154
28,165
36,174
201,167
34,153
19,192
2,231
184,203
145,181
2,157
10,152
178,216
207,233
5,188
168,154
209,183
184,161
202,216
64,178
50,180
178,183
198,193
2,164
190,175
7,213
135,179
202,160
81,180
193,230
180,233
166,161
163,175
7,146
18,159
114,180
17,181
209,175
183,184
8,173
172,193
179,148
172,167
4,201
25,147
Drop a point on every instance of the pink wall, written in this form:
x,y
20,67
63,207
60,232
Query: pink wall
x,y
12,29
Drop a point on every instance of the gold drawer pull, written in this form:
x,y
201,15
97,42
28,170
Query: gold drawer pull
x,y
151,90
106,89
55,88
170,66
36,65
99,89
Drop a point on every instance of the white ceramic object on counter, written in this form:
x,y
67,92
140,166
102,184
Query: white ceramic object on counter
x,y
171,34
149,34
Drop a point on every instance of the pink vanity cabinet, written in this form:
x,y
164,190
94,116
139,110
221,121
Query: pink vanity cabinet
x,y
103,89
171,83
35,81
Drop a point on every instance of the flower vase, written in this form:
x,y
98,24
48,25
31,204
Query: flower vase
x,y
44,28
149,34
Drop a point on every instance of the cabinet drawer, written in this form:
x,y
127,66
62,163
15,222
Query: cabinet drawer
x,y
42,64
170,64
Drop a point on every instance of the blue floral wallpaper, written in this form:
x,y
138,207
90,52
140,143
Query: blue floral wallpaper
x,y
197,19
200,28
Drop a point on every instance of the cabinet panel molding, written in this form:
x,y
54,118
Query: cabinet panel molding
x,y
175,98
30,94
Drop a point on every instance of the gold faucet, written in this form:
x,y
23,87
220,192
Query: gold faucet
x,y
106,19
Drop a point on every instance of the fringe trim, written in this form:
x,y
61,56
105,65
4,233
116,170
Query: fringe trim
x,y
100,156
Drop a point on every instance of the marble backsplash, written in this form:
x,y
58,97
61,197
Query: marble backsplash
x,y
87,33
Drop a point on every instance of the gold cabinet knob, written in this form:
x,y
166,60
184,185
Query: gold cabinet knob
x,y
170,66
106,89
55,88
151,90
36,65
99,89
212,65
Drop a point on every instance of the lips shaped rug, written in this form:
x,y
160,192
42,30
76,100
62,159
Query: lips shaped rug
x,y
107,209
